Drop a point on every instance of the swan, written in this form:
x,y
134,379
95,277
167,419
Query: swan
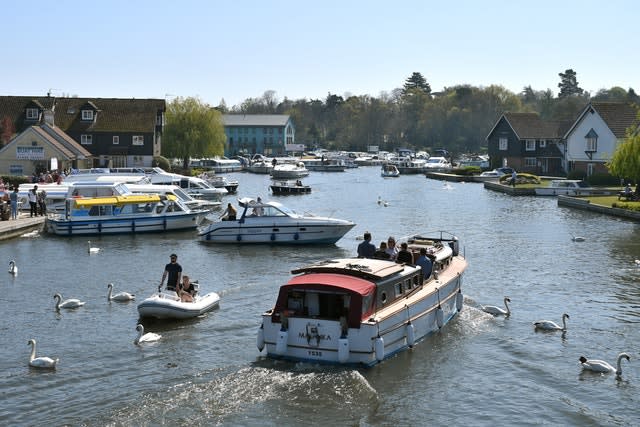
x,y
68,303
42,361
602,366
142,337
637,262
13,268
120,296
92,250
497,311
548,325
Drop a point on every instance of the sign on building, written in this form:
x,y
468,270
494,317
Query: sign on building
x,y
29,153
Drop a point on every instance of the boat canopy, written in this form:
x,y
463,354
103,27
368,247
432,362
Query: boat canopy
x,y
83,202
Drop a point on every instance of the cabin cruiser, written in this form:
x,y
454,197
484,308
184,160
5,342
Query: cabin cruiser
x,y
389,171
437,164
359,311
167,305
192,203
271,222
196,187
289,187
565,187
220,181
289,171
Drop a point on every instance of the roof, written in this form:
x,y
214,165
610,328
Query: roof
x,y
348,283
255,119
617,115
531,126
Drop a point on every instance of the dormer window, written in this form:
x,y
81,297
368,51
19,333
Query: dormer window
x,y
32,114
87,115
591,141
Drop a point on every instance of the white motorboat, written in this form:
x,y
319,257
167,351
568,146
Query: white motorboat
x,y
389,171
360,311
167,305
565,187
260,167
272,222
289,171
437,164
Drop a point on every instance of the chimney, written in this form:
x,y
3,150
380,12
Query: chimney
x,y
49,115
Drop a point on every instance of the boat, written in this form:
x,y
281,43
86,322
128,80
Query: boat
x,y
218,165
196,187
289,171
325,164
389,171
437,164
135,213
259,167
410,166
565,187
220,181
289,187
273,223
360,311
167,305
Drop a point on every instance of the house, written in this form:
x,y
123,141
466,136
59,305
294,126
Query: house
x,y
268,134
117,132
528,143
595,135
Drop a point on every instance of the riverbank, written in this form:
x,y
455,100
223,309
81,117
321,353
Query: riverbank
x,y
24,224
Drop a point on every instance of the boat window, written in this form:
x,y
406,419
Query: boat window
x,y
398,288
416,280
174,207
159,207
407,284
383,297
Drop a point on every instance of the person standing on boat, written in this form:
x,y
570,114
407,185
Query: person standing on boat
x,y
173,273
229,214
366,249
425,263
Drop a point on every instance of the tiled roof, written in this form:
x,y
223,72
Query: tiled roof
x,y
617,115
255,119
531,126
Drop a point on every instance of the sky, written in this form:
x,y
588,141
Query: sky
x,y
235,50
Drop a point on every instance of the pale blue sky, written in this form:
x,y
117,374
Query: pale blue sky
x,y
234,50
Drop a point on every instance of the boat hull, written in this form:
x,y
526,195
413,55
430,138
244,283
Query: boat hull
x,y
57,224
167,306
299,232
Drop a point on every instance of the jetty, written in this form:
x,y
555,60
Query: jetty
x,y
16,227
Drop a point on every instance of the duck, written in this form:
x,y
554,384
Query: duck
x,y
142,337
42,361
92,250
13,268
596,365
497,311
548,325
120,296
68,303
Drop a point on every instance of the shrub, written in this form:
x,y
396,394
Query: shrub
x,y
161,162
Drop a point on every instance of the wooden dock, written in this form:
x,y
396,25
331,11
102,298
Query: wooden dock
x,y
24,224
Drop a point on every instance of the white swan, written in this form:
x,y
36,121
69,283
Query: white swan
x,y
13,268
548,325
92,250
68,303
42,361
497,311
602,366
120,296
142,337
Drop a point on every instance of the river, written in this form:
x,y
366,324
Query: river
x,y
479,370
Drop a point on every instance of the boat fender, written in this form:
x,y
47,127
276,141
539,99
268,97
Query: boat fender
x,y
281,343
260,340
239,237
379,348
343,350
411,335
439,317
296,236
459,300
273,236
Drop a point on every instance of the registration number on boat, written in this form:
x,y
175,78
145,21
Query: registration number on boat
x,y
315,353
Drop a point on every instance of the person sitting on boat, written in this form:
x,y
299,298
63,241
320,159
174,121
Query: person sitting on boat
x,y
404,256
366,249
187,291
425,263
381,252
392,249
172,273
298,183
229,214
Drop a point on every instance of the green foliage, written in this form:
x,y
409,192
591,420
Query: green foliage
x,y
161,162
11,180
523,178
625,162
602,179
569,84
416,82
467,171
632,206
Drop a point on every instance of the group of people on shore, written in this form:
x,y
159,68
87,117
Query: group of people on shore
x,y
176,282
389,250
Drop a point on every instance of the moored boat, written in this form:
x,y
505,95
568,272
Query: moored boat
x,y
289,187
289,171
389,171
167,305
359,311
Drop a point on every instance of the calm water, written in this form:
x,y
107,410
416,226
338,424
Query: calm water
x,y
480,370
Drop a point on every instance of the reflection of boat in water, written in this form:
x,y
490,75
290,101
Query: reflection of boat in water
x,y
361,311
289,187
272,222
166,305
389,171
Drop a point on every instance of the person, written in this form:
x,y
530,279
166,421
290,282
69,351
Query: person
x,y
404,256
514,176
172,273
627,190
258,210
42,202
366,249
392,249
33,201
229,214
425,263
13,197
186,291
381,252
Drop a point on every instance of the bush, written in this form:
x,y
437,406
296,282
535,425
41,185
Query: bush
x,y
161,162
11,180
467,171
523,178
603,179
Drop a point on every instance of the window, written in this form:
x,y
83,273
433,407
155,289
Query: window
x,y
32,114
530,145
87,114
592,144
502,144
116,140
543,143
530,162
590,169
86,139
138,140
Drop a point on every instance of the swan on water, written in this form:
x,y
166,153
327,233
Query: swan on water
x,y
42,361
142,337
120,296
548,325
92,250
497,311
596,365
13,268
68,303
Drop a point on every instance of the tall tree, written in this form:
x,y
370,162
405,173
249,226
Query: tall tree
x,y
569,84
417,81
193,129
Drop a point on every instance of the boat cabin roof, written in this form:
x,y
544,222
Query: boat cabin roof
x,y
367,268
83,202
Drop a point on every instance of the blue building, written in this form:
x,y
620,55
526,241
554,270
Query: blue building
x,y
268,134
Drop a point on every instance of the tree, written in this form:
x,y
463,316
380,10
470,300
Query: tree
x,y
625,161
417,81
193,129
569,84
